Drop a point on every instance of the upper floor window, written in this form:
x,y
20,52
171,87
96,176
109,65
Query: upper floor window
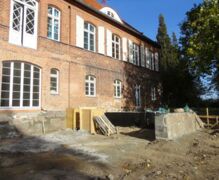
x,y
156,59
89,37
90,85
135,54
115,46
20,86
54,81
53,26
117,89
23,23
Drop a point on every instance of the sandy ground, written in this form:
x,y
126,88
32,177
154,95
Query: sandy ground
x,y
133,154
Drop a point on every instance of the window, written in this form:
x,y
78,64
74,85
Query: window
x,y
156,59
23,23
53,24
138,95
117,89
90,86
20,85
148,58
89,37
109,13
135,54
153,94
54,81
115,46
152,62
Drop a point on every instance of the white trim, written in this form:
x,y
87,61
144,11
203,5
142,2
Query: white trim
x,y
113,14
117,84
101,40
53,17
21,37
89,33
21,99
56,76
124,49
79,32
89,81
114,42
109,42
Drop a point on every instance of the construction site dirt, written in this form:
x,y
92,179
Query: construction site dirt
x,y
132,154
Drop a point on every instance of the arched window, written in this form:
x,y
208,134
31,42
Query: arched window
x,y
89,37
23,23
90,85
21,85
53,27
54,81
116,46
117,89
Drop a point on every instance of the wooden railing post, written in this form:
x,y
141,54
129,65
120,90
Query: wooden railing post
x,y
207,114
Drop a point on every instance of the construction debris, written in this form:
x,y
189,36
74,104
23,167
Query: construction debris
x,y
103,124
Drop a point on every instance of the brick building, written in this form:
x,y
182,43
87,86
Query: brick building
x,y
56,54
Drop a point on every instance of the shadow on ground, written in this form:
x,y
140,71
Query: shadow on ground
x,y
25,157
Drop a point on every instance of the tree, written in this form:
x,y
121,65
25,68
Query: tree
x,y
200,38
179,85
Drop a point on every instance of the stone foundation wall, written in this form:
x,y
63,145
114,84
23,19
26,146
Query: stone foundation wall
x,y
36,123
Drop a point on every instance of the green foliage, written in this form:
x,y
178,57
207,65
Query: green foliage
x,y
179,85
200,37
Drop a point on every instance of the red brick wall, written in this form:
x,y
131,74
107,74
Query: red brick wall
x,y
74,63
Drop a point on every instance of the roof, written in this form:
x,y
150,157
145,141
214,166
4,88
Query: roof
x,y
94,7
93,3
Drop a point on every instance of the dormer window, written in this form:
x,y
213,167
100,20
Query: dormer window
x,y
109,13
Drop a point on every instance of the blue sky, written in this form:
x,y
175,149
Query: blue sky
x,y
143,14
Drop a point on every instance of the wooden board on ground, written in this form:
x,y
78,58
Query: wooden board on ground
x,y
104,125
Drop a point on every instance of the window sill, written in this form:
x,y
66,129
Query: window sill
x,y
89,96
19,108
54,94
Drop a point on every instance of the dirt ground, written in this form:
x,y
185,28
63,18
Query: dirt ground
x,y
132,154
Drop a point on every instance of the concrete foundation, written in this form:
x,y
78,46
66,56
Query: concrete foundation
x,y
174,125
36,123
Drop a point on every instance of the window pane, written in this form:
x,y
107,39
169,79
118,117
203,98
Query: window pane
x,y
16,102
5,102
35,103
30,16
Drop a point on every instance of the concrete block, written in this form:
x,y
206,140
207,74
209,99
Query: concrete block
x,y
175,125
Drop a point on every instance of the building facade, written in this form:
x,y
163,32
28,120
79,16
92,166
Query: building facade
x,y
58,54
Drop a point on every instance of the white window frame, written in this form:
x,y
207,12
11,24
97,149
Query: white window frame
x,y
117,88
89,32
21,37
54,18
136,55
153,94
11,83
88,82
116,44
56,76
138,95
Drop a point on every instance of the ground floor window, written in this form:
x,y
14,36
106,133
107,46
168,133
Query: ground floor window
x,y
138,95
117,89
54,81
20,85
90,86
153,94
